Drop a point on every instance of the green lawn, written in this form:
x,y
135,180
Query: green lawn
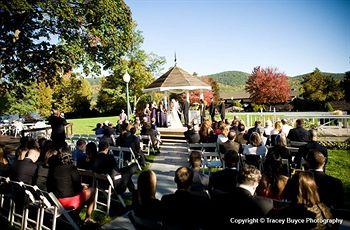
x,y
339,167
85,125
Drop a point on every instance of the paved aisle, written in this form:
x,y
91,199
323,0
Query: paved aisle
x,y
173,154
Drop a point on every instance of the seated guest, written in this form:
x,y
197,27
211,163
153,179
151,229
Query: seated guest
x,y
230,144
286,127
277,128
274,180
146,206
313,144
64,181
43,169
280,150
257,125
225,181
305,203
134,143
299,133
268,128
108,134
200,180
234,125
330,189
241,135
99,131
241,202
222,137
79,152
255,146
184,209
4,164
91,154
206,132
106,164
192,134
26,170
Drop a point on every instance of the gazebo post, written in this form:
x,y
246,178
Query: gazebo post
x,y
188,100
201,96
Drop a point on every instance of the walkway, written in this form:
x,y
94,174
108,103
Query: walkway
x,y
173,154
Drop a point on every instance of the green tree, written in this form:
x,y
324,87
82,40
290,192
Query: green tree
x,y
40,39
44,97
346,86
322,88
141,66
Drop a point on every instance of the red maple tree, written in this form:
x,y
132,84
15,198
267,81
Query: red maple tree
x,y
268,86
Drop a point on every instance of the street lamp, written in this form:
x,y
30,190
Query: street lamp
x,y
126,78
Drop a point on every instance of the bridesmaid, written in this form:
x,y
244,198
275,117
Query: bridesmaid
x,y
147,113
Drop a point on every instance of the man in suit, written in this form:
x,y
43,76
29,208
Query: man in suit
x,y
200,180
186,111
330,189
192,134
106,164
212,110
257,127
58,134
184,209
299,133
26,170
241,202
230,144
225,181
313,144
202,110
134,143
222,109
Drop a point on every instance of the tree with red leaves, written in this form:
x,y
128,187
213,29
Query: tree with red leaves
x,y
268,86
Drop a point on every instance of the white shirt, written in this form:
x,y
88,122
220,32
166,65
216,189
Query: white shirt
x,y
249,149
248,188
286,128
221,139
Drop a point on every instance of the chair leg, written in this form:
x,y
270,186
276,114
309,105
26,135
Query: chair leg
x,y
121,200
109,199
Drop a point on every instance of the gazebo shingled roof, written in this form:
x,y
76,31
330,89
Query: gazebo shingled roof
x,y
177,79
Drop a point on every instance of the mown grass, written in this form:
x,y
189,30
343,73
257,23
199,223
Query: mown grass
x,y
339,167
86,125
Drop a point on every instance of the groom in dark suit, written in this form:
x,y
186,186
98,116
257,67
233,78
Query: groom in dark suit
x,y
212,110
186,110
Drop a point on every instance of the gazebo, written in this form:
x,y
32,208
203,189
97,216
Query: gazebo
x,y
177,80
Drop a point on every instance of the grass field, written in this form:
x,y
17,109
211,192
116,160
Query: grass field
x,y
86,125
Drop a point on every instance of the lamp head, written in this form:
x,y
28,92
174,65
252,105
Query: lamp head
x,y
126,77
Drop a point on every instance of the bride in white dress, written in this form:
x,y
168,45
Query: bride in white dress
x,y
173,115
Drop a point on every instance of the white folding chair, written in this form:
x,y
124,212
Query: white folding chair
x,y
132,155
147,143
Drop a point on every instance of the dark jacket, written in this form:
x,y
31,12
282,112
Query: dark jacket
x,y
64,181
223,181
330,189
192,136
239,204
24,170
184,210
298,134
229,145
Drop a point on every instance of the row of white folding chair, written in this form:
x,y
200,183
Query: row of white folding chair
x,y
147,142
99,181
42,201
210,153
119,153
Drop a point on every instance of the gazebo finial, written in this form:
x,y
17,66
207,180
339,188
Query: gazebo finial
x,y
175,59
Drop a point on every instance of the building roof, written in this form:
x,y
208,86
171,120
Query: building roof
x,y
177,79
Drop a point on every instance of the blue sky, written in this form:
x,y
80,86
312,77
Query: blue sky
x,y
211,36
